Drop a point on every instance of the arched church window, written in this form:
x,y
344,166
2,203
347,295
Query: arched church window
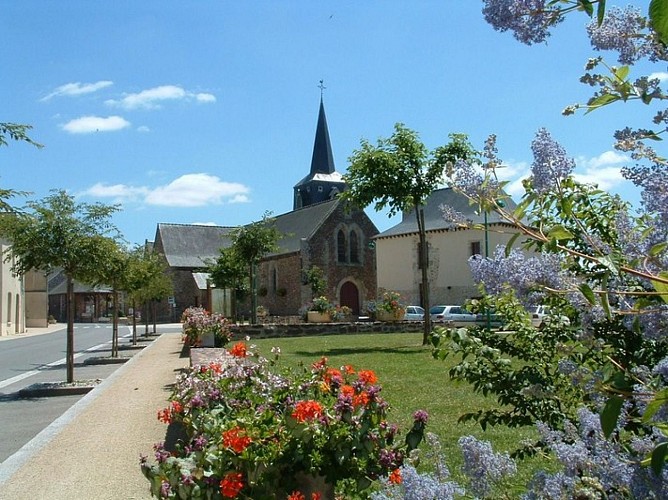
x,y
354,247
341,246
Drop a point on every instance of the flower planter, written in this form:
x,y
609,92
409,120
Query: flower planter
x,y
318,317
208,339
383,315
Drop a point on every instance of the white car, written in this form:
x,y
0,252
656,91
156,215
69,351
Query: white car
x,y
454,314
414,313
540,315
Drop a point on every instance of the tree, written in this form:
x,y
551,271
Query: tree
x,y
251,243
229,271
315,277
400,173
146,281
58,233
14,132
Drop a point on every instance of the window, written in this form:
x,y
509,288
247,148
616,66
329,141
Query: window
x,y
475,248
341,245
274,280
354,248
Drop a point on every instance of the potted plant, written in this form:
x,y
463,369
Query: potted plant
x,y
256,430
320,310
389,308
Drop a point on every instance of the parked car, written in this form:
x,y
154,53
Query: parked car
x,y
540,315
455,314
414,313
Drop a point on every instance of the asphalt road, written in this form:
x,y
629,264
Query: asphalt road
x,y
41,358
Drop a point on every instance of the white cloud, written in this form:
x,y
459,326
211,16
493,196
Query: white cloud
x,y
119,192
196,190
190,190
603,170
661,76
143,128
78,88
89,124
202,97
203,224
152,98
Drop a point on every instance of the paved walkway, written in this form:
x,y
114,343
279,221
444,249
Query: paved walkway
x,y
92,451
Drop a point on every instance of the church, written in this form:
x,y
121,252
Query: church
x,y
320,231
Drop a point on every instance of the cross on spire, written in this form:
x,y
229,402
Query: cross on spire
x,y
322,88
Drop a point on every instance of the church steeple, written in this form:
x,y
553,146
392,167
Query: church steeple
x,y
323,182
322,161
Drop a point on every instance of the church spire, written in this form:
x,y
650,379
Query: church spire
x,y
322,161
323,182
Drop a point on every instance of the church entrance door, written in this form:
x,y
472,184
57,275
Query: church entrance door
x,y
350,296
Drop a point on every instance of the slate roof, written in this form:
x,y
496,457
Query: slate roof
x,y
189,245
433,218
79,288
302,223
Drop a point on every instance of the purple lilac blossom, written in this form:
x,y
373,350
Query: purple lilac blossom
x,y
523,274
466,179
550,162
529,20
457,219
483,466
621,31
589,458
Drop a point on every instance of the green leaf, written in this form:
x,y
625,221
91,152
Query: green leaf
x,y
610,414
511,243
587,7
588,293
559,232
659,399
602,100
600,13
658,14
659,457
622,72
660,287
657,249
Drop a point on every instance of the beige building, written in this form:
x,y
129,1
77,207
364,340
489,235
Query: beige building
x,y
449,248
12,312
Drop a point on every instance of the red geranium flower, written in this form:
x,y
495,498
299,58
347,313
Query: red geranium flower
x,y
367,376
307,411
361,399
239,350
232,484
395,476
236,439
296,495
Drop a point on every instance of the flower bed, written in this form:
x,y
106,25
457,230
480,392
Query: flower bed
x,y
202,328
256,431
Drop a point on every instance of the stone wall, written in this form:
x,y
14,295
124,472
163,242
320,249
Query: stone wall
x,y
275,330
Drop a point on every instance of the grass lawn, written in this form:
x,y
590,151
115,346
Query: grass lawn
x,y
411,379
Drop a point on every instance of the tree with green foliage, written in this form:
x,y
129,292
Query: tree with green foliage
x,y
251,243
399,173
16,132
315,277
58,233
146,281
229,271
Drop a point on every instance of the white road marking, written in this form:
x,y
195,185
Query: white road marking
x,y
18,378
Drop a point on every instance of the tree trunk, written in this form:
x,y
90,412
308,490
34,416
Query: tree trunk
x,y
253,316
424,265
114,326
70,329
154,310
147,306
134,322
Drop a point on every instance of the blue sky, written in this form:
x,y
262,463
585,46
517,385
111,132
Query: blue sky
x,y
205,112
